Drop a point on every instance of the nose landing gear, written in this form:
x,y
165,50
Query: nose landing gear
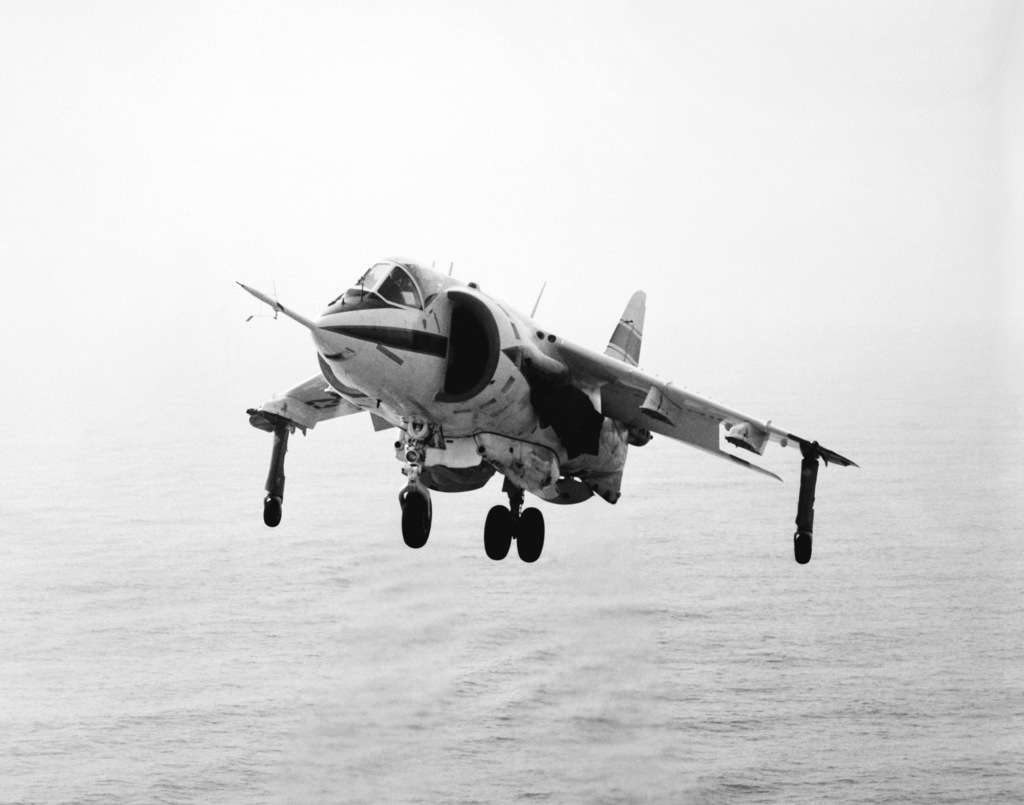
x,y
505,524
417,511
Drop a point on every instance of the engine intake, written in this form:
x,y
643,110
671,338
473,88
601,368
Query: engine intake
x,y
474,345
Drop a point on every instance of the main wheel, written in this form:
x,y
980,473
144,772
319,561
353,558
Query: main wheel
x,y
272,512
498,533
530,535
415,519
802,547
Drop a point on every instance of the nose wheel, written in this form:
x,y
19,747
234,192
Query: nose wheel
x,y
416,515
417,510
503,525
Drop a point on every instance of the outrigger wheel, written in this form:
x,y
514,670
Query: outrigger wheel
x,y
272,511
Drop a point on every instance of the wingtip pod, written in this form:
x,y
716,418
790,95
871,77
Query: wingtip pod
x,y
828,456
786,439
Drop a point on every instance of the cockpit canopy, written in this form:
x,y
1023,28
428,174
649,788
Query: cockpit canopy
x,y
393,284
390,284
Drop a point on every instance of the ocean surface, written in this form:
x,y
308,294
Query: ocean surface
x,y
158,644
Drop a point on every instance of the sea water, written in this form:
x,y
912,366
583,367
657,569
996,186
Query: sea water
x,y
159,644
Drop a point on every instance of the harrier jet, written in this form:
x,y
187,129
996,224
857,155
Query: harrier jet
x,y
476,388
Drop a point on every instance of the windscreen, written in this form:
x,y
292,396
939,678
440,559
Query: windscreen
x,y
380,284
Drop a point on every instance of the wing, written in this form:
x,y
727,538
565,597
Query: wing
x,y
302,407
639,400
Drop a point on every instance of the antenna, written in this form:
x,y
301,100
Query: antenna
x,y
537,303
451,267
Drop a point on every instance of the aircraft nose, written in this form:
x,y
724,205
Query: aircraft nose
x,y
329,334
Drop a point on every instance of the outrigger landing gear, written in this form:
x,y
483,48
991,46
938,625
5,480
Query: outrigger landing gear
x,y
503,524
275,478
415,498
804,536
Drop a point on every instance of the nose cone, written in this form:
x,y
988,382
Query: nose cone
x,y
330,337
327,319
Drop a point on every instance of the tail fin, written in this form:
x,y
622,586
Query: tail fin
x,y
625,343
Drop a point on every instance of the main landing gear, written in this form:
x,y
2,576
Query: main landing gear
x,y
505,524
415,498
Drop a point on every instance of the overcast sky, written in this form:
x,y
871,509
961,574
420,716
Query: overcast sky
x,y
750,165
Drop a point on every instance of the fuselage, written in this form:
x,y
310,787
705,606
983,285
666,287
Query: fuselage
x,y
415,347
477,388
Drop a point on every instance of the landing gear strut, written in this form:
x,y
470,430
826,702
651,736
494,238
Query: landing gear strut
x,y
415,498
803,538
505,524
275,478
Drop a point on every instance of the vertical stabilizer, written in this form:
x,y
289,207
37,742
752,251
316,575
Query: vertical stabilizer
x,y
625,343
